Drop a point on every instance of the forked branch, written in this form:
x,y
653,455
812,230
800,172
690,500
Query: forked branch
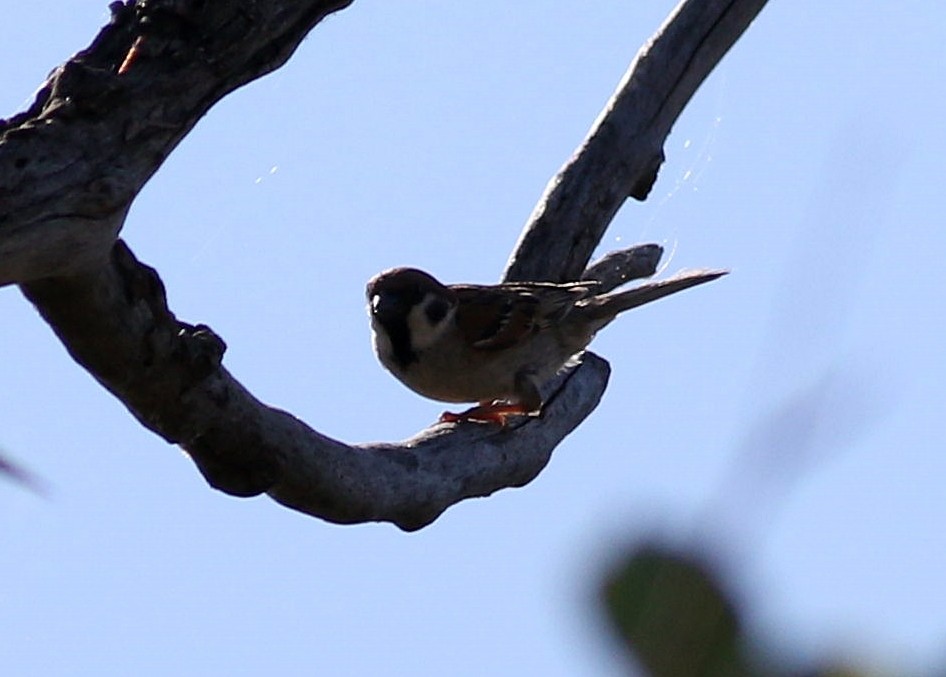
x,y
104,122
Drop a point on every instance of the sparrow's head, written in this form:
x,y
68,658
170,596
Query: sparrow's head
x,y
409,311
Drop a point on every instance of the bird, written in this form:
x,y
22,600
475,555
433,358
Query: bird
x,y
493,345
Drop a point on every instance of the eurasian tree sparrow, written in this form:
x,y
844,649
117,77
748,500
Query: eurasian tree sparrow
x,y
493,344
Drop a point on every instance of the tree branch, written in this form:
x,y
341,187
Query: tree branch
x,y
72,163
116,323
103,124
623,151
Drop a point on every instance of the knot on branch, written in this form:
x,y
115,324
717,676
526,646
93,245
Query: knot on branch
x,y
253,470
648,177
80,89
201,349
195,350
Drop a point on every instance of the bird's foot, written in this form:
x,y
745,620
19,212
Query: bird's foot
x,y
494,412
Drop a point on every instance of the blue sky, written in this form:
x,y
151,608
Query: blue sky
x,y
789,417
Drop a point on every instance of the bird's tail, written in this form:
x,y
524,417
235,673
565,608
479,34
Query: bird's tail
x,y
609,305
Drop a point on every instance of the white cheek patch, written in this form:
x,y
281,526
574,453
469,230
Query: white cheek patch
x,y
424,332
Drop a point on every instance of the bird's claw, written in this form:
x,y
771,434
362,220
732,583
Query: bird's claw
x,y
496,413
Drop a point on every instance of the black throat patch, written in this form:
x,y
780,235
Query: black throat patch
x,y
400,337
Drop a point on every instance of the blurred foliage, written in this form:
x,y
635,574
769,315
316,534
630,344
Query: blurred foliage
x,y
17,473
671,611
670,607
673,615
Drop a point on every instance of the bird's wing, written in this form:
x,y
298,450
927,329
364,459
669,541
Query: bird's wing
x,y
499,316
491,319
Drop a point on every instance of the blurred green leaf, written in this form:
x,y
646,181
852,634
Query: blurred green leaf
x,y
672,614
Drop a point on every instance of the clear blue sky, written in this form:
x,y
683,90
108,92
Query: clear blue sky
x,y
422,133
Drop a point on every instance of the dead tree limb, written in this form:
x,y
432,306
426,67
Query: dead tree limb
x,y
623,151
105,121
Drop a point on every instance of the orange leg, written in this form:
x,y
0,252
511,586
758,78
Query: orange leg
x,y
489,412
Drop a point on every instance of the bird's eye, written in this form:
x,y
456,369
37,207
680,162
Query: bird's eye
x,y
436,310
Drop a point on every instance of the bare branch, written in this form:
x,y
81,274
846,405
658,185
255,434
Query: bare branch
x,y
116,323
624,149
620,267
72,163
